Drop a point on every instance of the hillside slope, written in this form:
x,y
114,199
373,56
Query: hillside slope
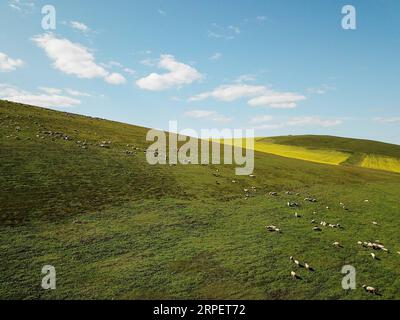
x,y
115,227
332,150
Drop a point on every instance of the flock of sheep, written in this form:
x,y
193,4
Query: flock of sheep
x,y
376,245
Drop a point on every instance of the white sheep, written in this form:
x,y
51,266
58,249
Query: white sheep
x,y
373,255
294,275
336,244
307,266
370,289
296,262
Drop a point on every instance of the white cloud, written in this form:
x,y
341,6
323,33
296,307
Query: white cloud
x,y
246,78
279,100
392,120
77,93
71,92
12,93
149,62
8,64
268,122
129,71
116,64
209,115
315,121
320,90
115,78
162,12
261,119
23,6
216,56
231,92
111,64
219,32
74,59
179,74
50,90
79,26
261,95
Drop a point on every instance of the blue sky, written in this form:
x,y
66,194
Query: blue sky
x,y
281,67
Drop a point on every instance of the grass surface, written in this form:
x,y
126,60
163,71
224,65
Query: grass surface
x,y
381,163
326,156
115,227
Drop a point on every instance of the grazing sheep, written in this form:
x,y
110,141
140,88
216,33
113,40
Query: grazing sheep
x,y
297,215
370,289
292,204
313,221
366,201
398,252
296,262
373,255
359,243
273,228
317,229
233,181
336,244
374,223
273,193
308,267
252,176
246,190
294,275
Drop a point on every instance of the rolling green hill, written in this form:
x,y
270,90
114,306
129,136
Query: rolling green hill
x,y
364,153
78,194
332,150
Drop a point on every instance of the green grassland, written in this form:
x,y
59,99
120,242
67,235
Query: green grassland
x,y
115,227
330,150
326,156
